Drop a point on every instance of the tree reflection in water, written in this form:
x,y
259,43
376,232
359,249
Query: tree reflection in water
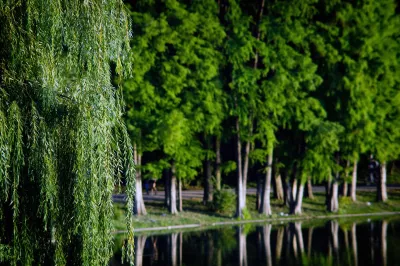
x,y
354,243
242,246
268,245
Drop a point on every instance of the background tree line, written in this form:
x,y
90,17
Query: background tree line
x,y
287,93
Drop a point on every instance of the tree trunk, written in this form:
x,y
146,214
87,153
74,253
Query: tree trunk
x,y
299,200
354,243
328,187
239,189
218,163
293,195
354,182
334,201
310,193
345,188
245,173
258,193
381,189
172,191
167,188
294,189
207,196
139,208
345,184
278,187
179,194
265,203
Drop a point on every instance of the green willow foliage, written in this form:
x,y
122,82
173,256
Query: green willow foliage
x,y
63,143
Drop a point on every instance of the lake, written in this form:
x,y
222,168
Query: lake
x,y
363,241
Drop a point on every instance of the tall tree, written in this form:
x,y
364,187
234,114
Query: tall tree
x,y
239,53
64,145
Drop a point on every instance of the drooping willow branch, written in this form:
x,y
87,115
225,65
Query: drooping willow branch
x,y
63,144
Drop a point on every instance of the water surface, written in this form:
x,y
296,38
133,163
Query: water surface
x,y
345,242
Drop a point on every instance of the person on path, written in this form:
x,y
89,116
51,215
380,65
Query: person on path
x,y
153,187
146,186
373,169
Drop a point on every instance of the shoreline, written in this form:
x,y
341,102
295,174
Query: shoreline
x,y
283,219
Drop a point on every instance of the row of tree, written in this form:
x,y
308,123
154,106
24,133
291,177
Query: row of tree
x,y
305,86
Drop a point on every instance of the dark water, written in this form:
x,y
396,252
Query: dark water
x,y
362,242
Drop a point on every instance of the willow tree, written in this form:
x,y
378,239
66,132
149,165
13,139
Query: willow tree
x,y
62,140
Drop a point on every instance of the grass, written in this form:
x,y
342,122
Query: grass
x,y
194,212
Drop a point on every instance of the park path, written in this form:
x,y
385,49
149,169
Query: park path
x,y
198,194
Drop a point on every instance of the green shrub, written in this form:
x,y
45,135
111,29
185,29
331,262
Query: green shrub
x,y
224,201
246,214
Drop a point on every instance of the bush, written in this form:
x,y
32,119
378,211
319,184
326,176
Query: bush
x,y
224,201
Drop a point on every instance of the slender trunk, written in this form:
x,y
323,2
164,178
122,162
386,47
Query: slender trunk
x,y
354,182
242,247
245,173
207,196
139,208
310,235
279,187
139,248
294,189
345,188
328,187
354,243
265,203
334,201
167,188
345,185
384,243
172,191
267,243
247,149
239,204
279,242
258,193
218,163
310,193
299,200
179,194
381,190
